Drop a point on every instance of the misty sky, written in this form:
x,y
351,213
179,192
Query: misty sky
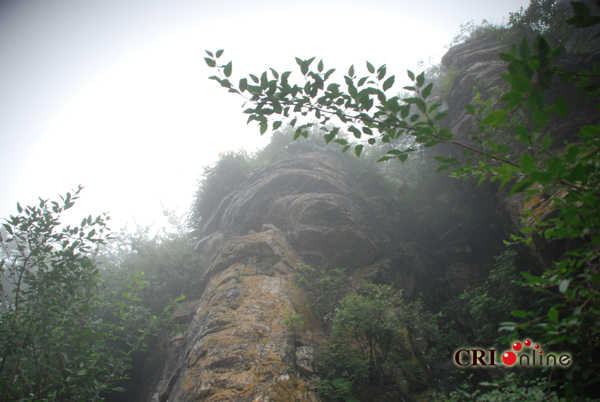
x,y
114,94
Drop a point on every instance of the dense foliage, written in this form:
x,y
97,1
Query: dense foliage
x,y
77,306
52,346
218,181
171,272
324,289
371,340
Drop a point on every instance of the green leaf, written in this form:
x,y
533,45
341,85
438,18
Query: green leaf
x,y
381,71
328,73
546,142
534,280
519,314
421,79
370,68
580,9
512,99
243,84
534,64
263,127
220,53
210,62
209,53
470,109
351,71
553,314
560,106
388,83
494,119
276,125
564,285
427,91
528,163
355,131
358,149
227,69
320,66
411,75
8,228
521,186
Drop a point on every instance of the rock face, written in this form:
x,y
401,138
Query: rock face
x,y
309,199
235,347
231,345
479,67
297,212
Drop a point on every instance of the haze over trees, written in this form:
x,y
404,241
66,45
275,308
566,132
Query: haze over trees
x,y
81,306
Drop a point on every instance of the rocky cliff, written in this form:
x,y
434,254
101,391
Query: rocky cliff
x,y
478,68
231,344
234,346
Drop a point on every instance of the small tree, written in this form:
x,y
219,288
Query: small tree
x,y
369,334
369,324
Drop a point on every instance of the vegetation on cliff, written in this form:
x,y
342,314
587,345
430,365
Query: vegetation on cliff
x,y
78,307
565,174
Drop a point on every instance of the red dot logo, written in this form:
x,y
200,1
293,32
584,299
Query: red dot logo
x,y
517,346
528,343
537,346
509,358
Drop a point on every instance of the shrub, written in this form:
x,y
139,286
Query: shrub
x,y
370,333
52,347
324,289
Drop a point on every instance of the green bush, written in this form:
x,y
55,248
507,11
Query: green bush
x,y
510,389
217,181
501,294
324,289
371,333
52,346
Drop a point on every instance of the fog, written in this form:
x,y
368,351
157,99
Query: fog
x,y
114,95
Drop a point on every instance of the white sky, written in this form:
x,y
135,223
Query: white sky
x,y
114,94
